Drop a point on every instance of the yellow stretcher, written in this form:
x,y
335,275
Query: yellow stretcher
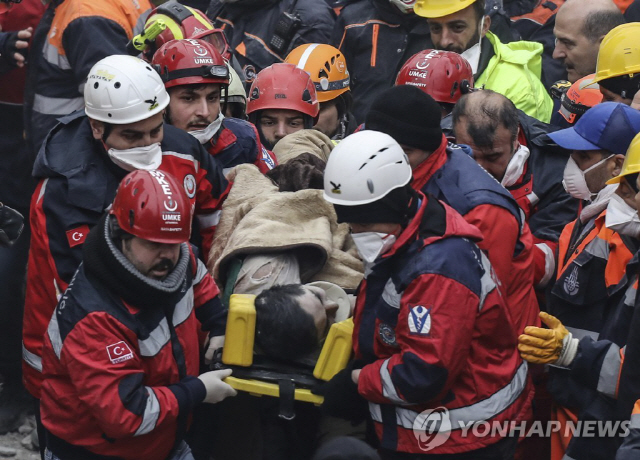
x,y
238,354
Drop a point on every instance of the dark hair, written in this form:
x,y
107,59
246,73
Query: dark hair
x,y
284,331
483,116
624,85
599,23
479,8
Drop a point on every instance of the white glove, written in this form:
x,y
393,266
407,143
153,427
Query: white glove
x,y
217,390
214,343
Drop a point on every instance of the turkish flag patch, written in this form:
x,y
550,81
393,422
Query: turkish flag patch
x,y
119,352
76,236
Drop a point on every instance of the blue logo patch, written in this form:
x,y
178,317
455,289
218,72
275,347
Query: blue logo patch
x,y
419,320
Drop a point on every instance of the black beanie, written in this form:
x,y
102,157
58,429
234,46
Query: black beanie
x,y
409,115
397,206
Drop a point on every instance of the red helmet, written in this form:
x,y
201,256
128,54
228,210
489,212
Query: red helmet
x,y
190,61
153,205
178,22
443,75
219,41
283,86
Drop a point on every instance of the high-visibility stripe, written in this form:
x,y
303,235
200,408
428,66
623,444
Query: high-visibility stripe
x,y
200,273
42,189
533,198
598,247
305,56
388,388
56,105
635,421
464,416
53,56
196,163
609,372
157,339
31,359
486,282
374,44
549,263
581,333
151,413
390,295
209,220
54,334
183,308
630,294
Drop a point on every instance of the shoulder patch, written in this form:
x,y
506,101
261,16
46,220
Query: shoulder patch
x,y
419,320
119,352
267,158
76,236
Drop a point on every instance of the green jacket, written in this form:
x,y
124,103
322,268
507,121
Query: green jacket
x,y
514,71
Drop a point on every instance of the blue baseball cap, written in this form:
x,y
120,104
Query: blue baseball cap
x,y
607,126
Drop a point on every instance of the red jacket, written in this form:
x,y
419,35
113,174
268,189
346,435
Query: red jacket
x,y
69,200
118,379
433,329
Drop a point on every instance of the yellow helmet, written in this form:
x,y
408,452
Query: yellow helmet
x,y
326,66
631,163
619,52
439,8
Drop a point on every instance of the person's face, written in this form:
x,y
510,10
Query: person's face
x,y
610,96
139,134
458,31
577,52
277,123
194,107
415,155
596,178
328,121
154,260
627,193
494,158
314,301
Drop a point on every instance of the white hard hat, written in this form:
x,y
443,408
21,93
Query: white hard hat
x,y
363,168
236,87
123,89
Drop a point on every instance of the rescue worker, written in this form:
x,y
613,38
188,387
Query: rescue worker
x,y
330,75
71,37
443,75
178,22
235,98
514,149
422,323
449,173
579,29
580,97
618,67
122,130
17,21
282,100
197,78
262,33
512,69
591,258
127,331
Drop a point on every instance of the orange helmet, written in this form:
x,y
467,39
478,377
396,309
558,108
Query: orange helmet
x,y
327,67
580,97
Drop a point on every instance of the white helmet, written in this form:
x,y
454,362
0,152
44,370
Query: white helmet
x,y
363,168
123,89
236,91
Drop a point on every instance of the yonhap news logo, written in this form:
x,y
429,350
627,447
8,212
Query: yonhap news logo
x,y
432,428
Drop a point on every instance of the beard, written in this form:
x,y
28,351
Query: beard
x,y
456,49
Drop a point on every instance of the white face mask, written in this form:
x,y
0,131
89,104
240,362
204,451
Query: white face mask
x,y
622,218
148,157
574,182
405,6
205,135
473,54
515,166
372,245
